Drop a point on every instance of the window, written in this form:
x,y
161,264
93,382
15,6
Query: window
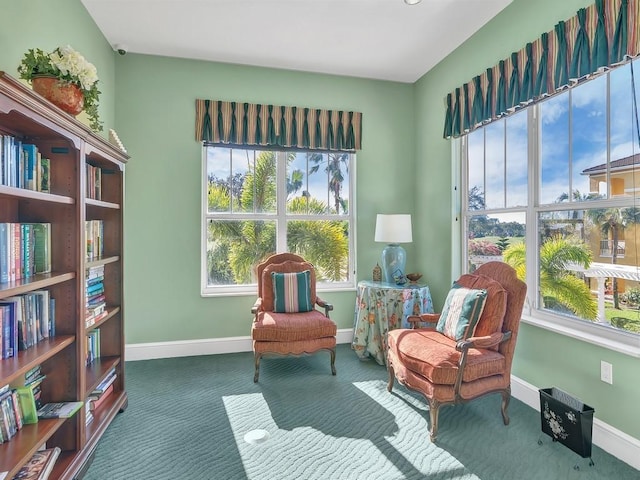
x,y
259,202
553,191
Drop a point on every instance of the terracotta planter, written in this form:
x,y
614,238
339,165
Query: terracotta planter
x,y
66,96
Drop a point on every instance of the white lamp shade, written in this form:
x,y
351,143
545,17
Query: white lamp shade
x,y
394,228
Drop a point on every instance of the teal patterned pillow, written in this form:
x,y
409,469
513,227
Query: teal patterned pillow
x,y
461,312
292,292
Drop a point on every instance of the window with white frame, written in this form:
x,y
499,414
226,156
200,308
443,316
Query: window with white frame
x,y
259,202
553,190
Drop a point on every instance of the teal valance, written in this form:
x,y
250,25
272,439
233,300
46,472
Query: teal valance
x,y
599,36
248,124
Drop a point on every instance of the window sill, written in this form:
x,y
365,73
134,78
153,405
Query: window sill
x,y
599,335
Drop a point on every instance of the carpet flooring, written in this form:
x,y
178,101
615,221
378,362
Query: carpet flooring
x,y
187,419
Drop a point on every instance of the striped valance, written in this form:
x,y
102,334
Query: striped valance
x,y
237,123
599,36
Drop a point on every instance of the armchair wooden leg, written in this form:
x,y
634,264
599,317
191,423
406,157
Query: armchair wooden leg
x,y
257,367
434,410
506,398
333,361
392,377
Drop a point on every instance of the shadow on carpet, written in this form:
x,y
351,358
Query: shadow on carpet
x,y
188,417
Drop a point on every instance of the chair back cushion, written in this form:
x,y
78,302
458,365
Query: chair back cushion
x,y
495,306
461,312
292,292
289,266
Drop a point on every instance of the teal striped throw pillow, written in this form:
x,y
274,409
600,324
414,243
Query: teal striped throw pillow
x,y
292,292
461,312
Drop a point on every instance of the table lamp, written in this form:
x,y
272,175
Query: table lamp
x,y
393,230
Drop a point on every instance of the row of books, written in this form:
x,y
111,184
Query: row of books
x,y
26,320
25,250
19,404
99,396
94,233
95,300
94,182
92,346
22,165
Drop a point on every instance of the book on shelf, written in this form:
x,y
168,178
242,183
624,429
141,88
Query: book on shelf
x,y
44,175
27,404
30,162
96,401
42,247
94,235
109,379
8,425
59,409
25,250
40,465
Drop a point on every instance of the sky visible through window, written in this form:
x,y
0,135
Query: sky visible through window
x,y
573,138
316,184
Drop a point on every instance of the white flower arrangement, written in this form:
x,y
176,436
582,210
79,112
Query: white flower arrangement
x,y
67,65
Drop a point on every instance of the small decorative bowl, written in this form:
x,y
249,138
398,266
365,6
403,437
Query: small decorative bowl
x,y
414,277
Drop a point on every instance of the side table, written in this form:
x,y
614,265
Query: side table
x,y
381,307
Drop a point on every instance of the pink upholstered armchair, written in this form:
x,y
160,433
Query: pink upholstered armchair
x,y
286,321
455,362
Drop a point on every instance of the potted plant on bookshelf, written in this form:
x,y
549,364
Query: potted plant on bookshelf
x,y
66,79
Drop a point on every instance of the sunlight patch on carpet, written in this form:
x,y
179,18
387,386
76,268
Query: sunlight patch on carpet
x,y
375,437
303,452
411,416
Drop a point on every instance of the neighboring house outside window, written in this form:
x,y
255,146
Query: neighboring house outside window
x,y
259,202
554,190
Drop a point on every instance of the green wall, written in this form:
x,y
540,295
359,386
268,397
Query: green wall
x,y
543,358
47,24
405,166
156,116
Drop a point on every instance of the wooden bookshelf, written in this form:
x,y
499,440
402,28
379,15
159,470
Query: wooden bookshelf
x,y
70,146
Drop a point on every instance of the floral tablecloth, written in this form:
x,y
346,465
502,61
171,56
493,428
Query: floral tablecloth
x,y
381,307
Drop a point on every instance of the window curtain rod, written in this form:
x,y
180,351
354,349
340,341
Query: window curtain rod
x,y
599,36
238,123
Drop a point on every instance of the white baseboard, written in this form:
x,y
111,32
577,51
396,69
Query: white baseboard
x,y
207,346
610,439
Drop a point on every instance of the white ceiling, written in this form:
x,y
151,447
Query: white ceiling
x,y
379,39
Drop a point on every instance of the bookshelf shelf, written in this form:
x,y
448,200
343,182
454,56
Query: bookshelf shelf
x,y
102,261
14,367
111,311
36,282
25,443
99,203
97,370
61,197
33,195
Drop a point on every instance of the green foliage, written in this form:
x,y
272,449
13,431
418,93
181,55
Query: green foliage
x,y
68,66
631,297
502,243
235,246
560,289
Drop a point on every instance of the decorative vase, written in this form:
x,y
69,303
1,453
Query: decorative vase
x,y
66,96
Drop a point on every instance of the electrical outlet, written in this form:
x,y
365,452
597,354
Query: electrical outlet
x,y
606,372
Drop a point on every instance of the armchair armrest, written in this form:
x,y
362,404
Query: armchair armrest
x,y
483,342
430,318
327,306
257,306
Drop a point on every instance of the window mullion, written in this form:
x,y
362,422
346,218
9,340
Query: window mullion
x,y
281,202
531,227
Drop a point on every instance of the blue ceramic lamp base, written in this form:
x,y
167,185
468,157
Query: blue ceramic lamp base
x,y
394,259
